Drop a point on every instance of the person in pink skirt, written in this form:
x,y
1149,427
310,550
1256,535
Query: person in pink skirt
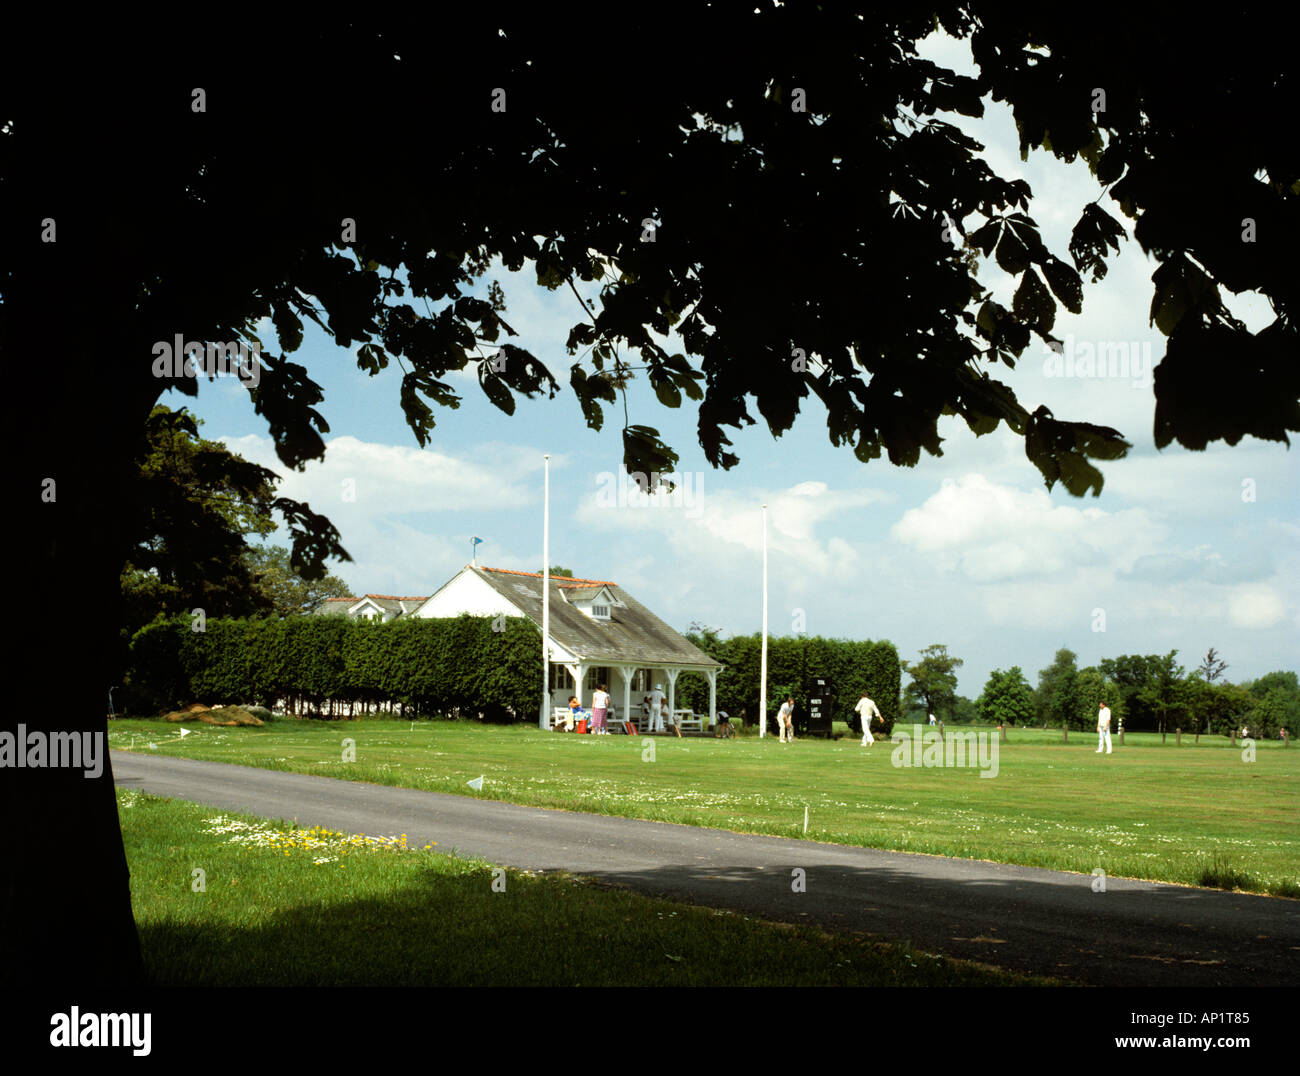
x,y
599,707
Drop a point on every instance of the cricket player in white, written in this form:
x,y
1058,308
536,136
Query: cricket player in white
x,y
656,699
785,720
868,710
1103,729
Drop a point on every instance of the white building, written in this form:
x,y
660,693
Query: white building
x,y
598,634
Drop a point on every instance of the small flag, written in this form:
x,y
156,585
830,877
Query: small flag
x,y
476,784
183,732
478,541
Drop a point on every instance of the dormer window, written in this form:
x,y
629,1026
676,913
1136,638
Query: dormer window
x,y
600,612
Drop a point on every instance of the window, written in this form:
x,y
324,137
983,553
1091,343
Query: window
x,y
600,612
560,680
596,676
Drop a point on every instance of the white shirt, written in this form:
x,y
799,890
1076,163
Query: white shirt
x,y
600,700
656,699
867,708
1103,718
785,711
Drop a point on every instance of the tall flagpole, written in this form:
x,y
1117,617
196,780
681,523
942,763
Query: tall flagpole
x,y
544,720
762,687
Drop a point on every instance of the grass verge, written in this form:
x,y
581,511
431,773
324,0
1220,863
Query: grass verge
x,y
274,905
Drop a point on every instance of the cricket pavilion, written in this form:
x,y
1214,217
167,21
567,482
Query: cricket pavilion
x,y
599,634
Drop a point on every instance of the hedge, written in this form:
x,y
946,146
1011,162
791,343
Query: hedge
x,y
480,665
850,666
459,665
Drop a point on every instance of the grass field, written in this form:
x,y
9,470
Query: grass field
x,y
1197,815
280,906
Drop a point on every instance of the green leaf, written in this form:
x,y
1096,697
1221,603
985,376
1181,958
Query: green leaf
x,y
495,389
985,403
989,319
288,327
418,415
985,237
1012,253
1060,451
688,383
1065,283
1180,287
371,358
645,453
588,390
1033,303
1093,236
668,393
1111,164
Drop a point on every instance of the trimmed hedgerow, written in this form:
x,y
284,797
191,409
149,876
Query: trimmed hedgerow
x,y
488,666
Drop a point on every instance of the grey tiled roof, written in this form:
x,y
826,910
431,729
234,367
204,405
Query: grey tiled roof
x,y
386,602
632,634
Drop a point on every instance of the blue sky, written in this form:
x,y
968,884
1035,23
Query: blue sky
x,y
968,549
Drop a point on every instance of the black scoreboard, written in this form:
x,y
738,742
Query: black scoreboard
x,y
821,701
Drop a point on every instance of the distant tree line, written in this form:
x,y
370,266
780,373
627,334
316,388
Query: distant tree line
x,y
1149,693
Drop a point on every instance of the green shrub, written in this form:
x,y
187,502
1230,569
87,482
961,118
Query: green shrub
x,y
429,667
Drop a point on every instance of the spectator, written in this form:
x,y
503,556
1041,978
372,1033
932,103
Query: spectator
x,y
599,707
655,700
576,712
566,721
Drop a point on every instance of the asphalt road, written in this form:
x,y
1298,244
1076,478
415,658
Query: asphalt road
x,y
1021,918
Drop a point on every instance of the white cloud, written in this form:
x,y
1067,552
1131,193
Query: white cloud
x,y
710,529
991,532
390,480
1255,607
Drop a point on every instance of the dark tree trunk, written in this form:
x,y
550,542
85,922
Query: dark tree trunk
x,y
67,908
76,334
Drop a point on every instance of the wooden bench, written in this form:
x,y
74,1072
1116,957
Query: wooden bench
x,y
560,714
689,720
686,720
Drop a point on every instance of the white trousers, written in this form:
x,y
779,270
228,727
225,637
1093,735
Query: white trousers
x,y
1103,739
